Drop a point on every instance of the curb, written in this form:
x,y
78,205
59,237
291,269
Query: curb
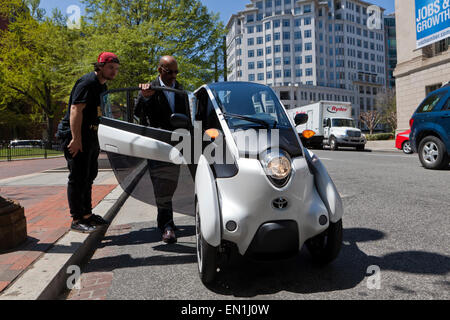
x,y
47,278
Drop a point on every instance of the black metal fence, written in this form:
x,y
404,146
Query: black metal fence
x,y
28,149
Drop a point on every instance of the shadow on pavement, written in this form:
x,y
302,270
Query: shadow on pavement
x,y
242,277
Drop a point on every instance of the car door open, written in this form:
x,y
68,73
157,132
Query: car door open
x,y
146,158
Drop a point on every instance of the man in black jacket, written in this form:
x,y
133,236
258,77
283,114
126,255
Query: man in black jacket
x,y
154,109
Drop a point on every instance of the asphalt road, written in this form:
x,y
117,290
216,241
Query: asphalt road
x,y
396,221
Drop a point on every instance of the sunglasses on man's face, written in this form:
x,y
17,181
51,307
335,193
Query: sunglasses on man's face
x,y
170,72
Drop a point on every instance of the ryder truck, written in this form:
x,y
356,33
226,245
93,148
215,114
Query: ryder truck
x,y
332,124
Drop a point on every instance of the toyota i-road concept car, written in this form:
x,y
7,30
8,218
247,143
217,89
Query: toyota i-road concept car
x,y
243,173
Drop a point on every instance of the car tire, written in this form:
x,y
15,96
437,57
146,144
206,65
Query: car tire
x,y
406,147
432,153
206,254
360,148
333,144
325,247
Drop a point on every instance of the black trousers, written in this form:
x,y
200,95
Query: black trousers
x,y
83,170
164,178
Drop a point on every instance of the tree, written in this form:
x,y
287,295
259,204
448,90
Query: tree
x,y
35,62
141,31
370,119
386,102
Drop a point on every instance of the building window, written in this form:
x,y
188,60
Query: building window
x,y
308,59
251,53
276,23
250,41
260,52
251,65
287,73
286,35
308,46
260,76
285,95
307,8
251,77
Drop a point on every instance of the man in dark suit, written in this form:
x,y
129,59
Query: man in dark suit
x,y
154,109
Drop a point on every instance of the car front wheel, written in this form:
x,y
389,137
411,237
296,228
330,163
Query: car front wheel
x,y
206,254
432,153
325,247
333,144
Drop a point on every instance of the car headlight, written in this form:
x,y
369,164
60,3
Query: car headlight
x,y
277,165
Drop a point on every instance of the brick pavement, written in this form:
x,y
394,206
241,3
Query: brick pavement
x,y
48,219
94,285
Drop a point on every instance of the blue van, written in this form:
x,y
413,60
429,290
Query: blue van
x,y
430,129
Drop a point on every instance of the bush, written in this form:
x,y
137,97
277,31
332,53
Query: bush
x,y
379,136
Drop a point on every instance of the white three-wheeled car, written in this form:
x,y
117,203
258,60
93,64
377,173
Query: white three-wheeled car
x,y
256,187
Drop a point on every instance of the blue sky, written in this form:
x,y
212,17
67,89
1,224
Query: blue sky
x,y
224,8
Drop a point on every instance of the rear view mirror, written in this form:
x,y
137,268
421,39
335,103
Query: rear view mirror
x,y
325,122
300,118
180,121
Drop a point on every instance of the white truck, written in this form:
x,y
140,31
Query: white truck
x,y
332,124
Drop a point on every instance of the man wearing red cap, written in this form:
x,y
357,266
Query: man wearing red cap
x,y
78,134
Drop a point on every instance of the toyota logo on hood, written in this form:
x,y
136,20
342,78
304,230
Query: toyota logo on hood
x,y
335,109
280,203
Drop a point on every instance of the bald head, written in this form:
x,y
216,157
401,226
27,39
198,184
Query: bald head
x,y
168,70
167,60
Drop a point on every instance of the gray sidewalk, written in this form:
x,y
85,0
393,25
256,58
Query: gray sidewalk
x,y
382,145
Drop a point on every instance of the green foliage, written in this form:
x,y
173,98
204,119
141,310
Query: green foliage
x,y
40,58
141,31
379,136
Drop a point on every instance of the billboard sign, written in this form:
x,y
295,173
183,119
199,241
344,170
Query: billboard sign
x,y
432,21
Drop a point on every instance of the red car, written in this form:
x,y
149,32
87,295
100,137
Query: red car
x,y
402,142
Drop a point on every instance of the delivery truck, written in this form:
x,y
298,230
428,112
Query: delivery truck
x,y
332,124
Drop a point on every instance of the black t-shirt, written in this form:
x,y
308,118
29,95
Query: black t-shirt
x,y
87,90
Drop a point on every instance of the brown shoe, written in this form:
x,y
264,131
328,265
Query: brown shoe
x,y
169,236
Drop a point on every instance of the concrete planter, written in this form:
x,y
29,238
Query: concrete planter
x,y
13,224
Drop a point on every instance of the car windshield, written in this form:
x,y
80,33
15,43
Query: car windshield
x,y
343,123
250,100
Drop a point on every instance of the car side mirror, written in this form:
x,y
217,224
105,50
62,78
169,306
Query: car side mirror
x,y
300,118
325,123
180,121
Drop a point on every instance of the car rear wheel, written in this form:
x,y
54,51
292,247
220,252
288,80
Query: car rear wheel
x,y
325,247
432,153
206,254
406,147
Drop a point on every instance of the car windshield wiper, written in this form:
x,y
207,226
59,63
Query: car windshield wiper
x,y
250,119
